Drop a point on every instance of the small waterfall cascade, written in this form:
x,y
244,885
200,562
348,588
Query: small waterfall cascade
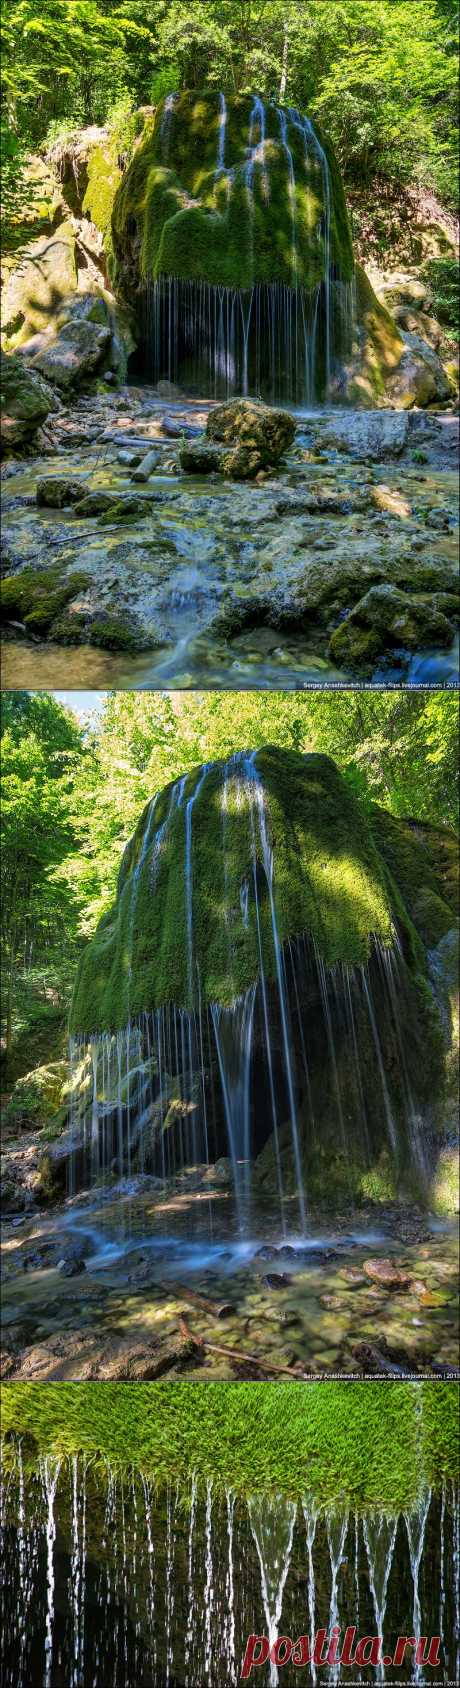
x,y
302,1049
275,337
109,1576
272,1524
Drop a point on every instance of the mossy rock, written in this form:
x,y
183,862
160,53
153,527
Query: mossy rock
x,y
36,597
258,427
445,1187
371,1445
104,177
383,620
329,878
431,916
37,1098
177,213
26,401
55,491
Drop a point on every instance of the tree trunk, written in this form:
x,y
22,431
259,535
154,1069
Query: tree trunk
x,y
284,68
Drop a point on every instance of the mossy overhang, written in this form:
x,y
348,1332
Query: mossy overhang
x,y
330,883
176,215
362,1447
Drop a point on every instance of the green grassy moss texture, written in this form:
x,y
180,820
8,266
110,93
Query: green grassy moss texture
x,y
362,1445
342,875
178,216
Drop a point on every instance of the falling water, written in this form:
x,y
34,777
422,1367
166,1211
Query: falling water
x,y
272,1524
233,1033
379,1536
283,122
416,1526
221,136
157,1588
310,1517
337,1526
50,1473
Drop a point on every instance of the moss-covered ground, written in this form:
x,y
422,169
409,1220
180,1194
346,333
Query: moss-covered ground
x,y
369,1444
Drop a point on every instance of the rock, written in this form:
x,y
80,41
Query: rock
x,y
248,422
74,353
71,1266
438,520
201,458
384,1272
146,467
420,378
168,390
26,401
384,619
55,491
94,503
389,499
276,1280
44,277
242,463
369,435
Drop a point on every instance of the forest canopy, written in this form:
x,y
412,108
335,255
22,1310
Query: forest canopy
x,y
73,792
381,77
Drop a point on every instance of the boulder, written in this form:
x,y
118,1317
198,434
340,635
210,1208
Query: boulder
x,y
201,458
248,422
384,619
420,378
367,435
74,353
34,292
57,491
26,401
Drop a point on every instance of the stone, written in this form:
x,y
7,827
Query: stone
x,y
420,378
242,463
386,1273
250,423
374,436
55,491
387,618
26,401
75,353
71,1266
201,458
35,290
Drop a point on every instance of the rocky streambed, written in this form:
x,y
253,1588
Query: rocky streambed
x,y
138,1282
132,557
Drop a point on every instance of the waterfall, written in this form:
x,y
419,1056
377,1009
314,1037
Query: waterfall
x,y
159,1586
272,1524
379,1536
223,341
416,1526
233,1034
220,165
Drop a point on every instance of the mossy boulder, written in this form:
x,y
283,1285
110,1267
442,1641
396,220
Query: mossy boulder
x,y
26,401
103,180
387,619
74,353
38,1098
184,211
36,597
247,422
57,491
330,881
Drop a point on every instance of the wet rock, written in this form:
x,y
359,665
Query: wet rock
x,y
255,425
94,503
71,1266
420,378
386,618
276,1280
242,463
386,1273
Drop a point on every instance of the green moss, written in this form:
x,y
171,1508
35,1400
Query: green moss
x,y
444,1197
383,344
174,216
365,1445
104,177
328,882
36,597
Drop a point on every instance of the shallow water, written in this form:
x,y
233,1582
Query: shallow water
x,y
291,1301
203,539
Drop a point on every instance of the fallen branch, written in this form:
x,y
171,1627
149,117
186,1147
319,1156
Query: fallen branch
x,y
237,1354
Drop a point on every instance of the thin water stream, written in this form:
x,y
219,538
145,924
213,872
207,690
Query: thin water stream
x,y
125,1579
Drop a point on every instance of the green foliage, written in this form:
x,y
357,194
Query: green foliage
x,y
442,276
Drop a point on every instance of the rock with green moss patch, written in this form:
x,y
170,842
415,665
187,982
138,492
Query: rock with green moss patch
x,y
184,212
57,491
201,458
35,597
26,401
385,619
45,276
255,425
